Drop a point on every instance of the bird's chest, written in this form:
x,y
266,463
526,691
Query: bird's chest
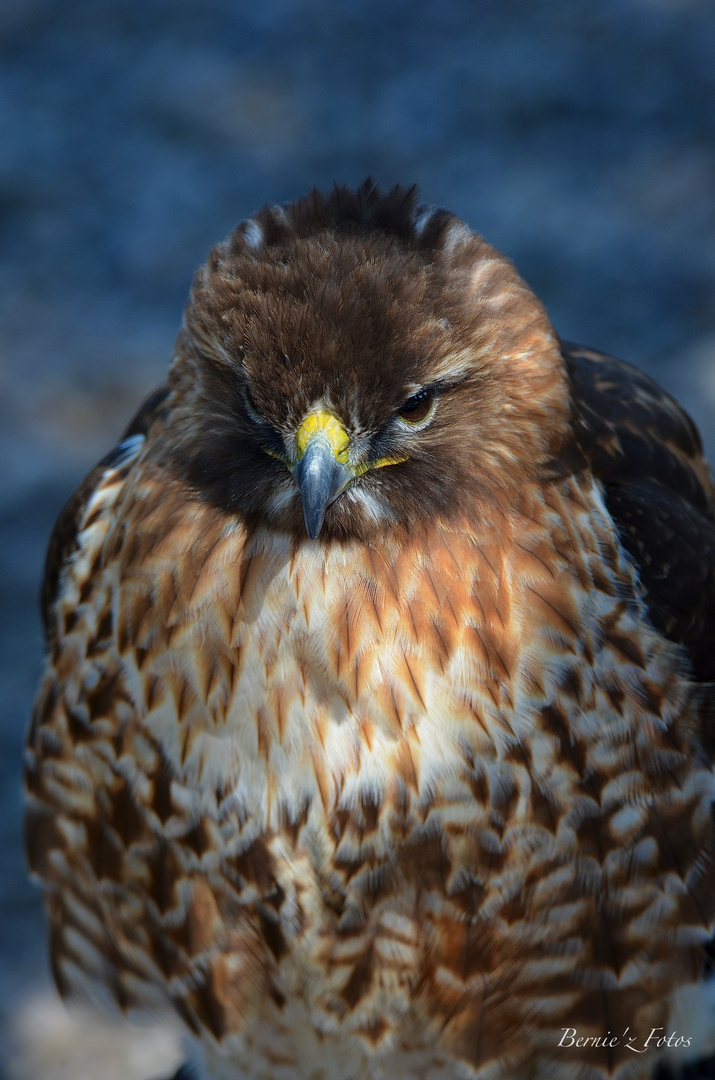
x,y
452,674
336,672
347,674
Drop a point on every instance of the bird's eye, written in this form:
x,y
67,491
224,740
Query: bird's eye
x,y
418,407
251,407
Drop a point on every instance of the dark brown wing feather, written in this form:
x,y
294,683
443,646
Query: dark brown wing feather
x,y
63,541
647,453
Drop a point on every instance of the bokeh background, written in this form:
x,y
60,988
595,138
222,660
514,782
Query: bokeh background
x,y
577,136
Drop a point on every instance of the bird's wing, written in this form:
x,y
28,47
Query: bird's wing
x,y
112,468
647,454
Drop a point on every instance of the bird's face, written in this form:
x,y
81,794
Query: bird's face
x,y
336,378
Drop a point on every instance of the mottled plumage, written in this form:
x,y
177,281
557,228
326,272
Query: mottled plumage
x,y
410,797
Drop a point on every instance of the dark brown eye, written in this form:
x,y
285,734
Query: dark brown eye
x,y
418,407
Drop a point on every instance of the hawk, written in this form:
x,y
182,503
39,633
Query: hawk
x,y
375,736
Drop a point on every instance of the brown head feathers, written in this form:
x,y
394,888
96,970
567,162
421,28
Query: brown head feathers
x,y
355,301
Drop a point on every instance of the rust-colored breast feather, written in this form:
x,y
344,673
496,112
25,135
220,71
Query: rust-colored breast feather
x,y
417,796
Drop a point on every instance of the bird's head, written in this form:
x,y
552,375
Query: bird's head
x,y
356,361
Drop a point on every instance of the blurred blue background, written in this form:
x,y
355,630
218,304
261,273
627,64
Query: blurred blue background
x,y
577,136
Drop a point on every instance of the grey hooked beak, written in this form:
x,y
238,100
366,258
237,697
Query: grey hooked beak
x,y
320,478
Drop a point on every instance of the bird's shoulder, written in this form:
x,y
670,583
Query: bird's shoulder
x,y
646,453
92,500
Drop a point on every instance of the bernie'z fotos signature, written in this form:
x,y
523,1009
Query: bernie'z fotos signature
x,y
656,1039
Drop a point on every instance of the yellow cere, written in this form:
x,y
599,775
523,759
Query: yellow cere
x,y
360,469
323,423
326,424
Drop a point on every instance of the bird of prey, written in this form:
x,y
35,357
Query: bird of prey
x,y
375,736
